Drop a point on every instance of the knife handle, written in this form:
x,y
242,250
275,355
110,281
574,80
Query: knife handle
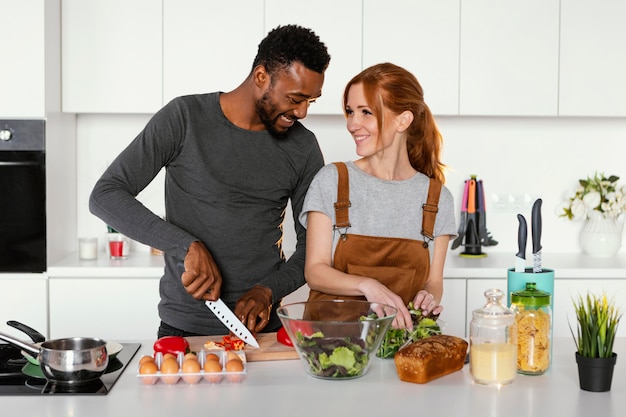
x,y
522,234
536,225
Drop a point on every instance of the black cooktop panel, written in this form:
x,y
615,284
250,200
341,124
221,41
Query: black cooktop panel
x,y
19,377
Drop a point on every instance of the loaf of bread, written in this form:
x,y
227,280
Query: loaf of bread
x,y
430,358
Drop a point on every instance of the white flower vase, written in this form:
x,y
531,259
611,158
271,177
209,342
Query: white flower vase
x,y
601,237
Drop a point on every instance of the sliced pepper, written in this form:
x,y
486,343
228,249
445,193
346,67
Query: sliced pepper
x,y
231,343
283,337
237,344
171,344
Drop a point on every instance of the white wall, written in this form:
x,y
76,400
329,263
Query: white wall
x,y
540,157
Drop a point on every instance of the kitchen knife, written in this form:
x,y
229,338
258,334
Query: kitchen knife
x,y
522,234
230,320
536,231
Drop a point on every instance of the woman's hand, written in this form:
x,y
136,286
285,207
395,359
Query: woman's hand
x,y
375,292
427,303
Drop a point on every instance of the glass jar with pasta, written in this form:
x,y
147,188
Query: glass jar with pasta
x,y
534,329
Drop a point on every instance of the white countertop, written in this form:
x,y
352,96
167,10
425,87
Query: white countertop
x,y
282,388
494,265
137,265
565,265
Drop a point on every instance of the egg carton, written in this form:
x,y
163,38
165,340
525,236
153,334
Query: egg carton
x,y
193,378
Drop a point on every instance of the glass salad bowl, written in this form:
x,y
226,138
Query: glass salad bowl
x,y
335,338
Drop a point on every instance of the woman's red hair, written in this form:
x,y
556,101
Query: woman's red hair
x,y
388,86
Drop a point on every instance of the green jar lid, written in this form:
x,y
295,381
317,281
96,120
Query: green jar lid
x,y
531,296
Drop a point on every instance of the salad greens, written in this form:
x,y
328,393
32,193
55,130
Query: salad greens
x,y
334,357
423,327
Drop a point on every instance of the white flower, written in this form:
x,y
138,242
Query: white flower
x,y
592,200
597,196
579,211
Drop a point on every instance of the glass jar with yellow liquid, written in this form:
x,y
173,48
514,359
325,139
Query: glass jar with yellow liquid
x,y
493,342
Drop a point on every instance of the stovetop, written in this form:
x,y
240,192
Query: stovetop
x,y
20,377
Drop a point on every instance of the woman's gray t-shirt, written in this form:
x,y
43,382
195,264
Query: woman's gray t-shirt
x,y
379,207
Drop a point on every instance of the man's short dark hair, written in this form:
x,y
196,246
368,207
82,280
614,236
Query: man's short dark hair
x,y
286,44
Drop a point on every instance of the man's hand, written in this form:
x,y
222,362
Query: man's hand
x,y
202,278
254,308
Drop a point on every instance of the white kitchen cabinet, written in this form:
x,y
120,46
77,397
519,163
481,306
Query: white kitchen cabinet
x,y
22,73
208,46
24,298
339,25
421,36
109,308
509,58
453,303
593,58
112,56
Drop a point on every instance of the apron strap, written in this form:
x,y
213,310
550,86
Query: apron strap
x,y
343,197
429,211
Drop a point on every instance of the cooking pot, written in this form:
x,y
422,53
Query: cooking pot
x,y
71,360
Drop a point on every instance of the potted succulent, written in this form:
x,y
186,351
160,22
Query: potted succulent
x,y
597,320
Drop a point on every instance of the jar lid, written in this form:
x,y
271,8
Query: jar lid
x,y
494,309
531,296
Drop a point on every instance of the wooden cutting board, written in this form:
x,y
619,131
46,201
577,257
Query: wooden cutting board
x,y
269,349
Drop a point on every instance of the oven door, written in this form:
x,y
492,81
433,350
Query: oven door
x,y
22,211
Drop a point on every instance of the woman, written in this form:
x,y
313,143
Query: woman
x,y
386,238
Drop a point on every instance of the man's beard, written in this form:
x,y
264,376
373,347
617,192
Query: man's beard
x,y
265,107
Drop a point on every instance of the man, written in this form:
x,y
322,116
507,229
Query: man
x,y
232,162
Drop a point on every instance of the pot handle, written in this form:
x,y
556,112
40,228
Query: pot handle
x,y
35,336
33,349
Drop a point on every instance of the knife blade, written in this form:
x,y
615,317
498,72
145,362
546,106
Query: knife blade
x,y
536,232
522,234
230,320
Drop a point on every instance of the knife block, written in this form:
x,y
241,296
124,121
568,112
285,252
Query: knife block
x,y
516,281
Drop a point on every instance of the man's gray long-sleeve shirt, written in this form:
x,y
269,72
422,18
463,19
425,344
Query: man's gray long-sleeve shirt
x,y
225,186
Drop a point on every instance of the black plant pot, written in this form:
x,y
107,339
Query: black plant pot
x,y
595,374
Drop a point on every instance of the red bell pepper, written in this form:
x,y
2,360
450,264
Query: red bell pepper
x,y
302,327
231,343
171,344
283,337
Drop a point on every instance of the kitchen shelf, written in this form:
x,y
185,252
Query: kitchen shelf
x,y
494,265
137,265
565,265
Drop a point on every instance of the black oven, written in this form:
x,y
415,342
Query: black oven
x,y
22,196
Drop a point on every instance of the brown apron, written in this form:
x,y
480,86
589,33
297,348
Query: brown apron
x,y
402,265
